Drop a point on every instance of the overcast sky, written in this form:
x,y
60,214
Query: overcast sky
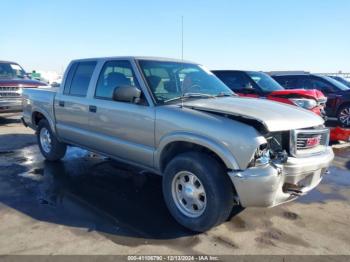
x,y
312,35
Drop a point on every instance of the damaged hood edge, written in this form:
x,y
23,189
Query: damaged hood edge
x,y
272,115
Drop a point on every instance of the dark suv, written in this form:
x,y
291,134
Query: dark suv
x,y
338,94
341,80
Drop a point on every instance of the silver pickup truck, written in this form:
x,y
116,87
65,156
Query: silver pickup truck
x,y
216,151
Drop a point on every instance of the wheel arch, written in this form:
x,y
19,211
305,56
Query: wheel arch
x,y
341,107
181,142
38,115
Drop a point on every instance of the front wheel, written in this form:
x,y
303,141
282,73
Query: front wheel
x,y
197,191
344,115
49,146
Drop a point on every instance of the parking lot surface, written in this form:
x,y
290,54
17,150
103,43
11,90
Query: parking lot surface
x,y
88,204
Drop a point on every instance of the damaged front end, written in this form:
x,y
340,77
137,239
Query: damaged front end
x,y
275,151
312,100
284,168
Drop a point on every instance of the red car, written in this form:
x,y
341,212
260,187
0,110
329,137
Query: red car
x,y
12,80
258,84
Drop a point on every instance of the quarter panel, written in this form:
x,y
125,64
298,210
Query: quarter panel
x,y
39,100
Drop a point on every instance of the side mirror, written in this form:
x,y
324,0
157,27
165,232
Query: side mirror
x,y
28,75
248,89
127,93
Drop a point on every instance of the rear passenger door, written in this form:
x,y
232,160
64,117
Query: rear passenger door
x,y
71,104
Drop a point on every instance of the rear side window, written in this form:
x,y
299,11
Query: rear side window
x,y
287,82
69,78
235,81
114,74
316,83
78,78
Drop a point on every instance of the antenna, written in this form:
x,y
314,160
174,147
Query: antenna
x,y
182,37
182,56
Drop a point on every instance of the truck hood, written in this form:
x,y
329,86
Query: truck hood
x,y
274,116
20,82
299,93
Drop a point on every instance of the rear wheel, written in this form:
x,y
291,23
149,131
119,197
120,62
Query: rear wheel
x,y
197,191
50,147
344,115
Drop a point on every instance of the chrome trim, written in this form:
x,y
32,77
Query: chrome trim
x,y
189,194
293,149
322,101
10,92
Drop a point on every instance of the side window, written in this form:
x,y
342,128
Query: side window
x,y
69,78
314,83
287,82
235,81
81,78
114,74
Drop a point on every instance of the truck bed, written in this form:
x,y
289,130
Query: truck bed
x,y
40,100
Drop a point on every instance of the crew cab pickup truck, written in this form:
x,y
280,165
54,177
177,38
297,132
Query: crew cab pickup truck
x,y
215,151
261,85
13,80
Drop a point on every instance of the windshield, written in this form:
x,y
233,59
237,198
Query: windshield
x,y
265,82
11,70
336,83
171,80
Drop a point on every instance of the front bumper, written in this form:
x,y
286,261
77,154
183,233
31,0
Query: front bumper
x,y
271,185
10,105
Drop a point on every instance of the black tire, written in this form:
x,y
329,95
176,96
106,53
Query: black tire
x,y
57,150
218,188
342,109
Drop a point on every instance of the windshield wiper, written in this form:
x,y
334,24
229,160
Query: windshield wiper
x,y
190,95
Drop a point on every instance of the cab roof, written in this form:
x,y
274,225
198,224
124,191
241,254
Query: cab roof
x,y
150,58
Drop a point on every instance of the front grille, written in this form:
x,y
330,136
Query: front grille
x,y
10,92
303,140
308,141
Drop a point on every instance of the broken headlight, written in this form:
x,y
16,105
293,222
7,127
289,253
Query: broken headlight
x,y
261,156
273,152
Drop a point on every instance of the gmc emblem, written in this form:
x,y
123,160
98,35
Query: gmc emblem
x,y
313,141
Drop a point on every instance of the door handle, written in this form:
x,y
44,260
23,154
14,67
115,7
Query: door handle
x,y
61,103
93,109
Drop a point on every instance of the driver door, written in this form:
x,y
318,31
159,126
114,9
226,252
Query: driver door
x,y
123,130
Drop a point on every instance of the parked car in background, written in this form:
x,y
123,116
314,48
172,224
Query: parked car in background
x,y
261,85
215,150
13,79
338,94
341,80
